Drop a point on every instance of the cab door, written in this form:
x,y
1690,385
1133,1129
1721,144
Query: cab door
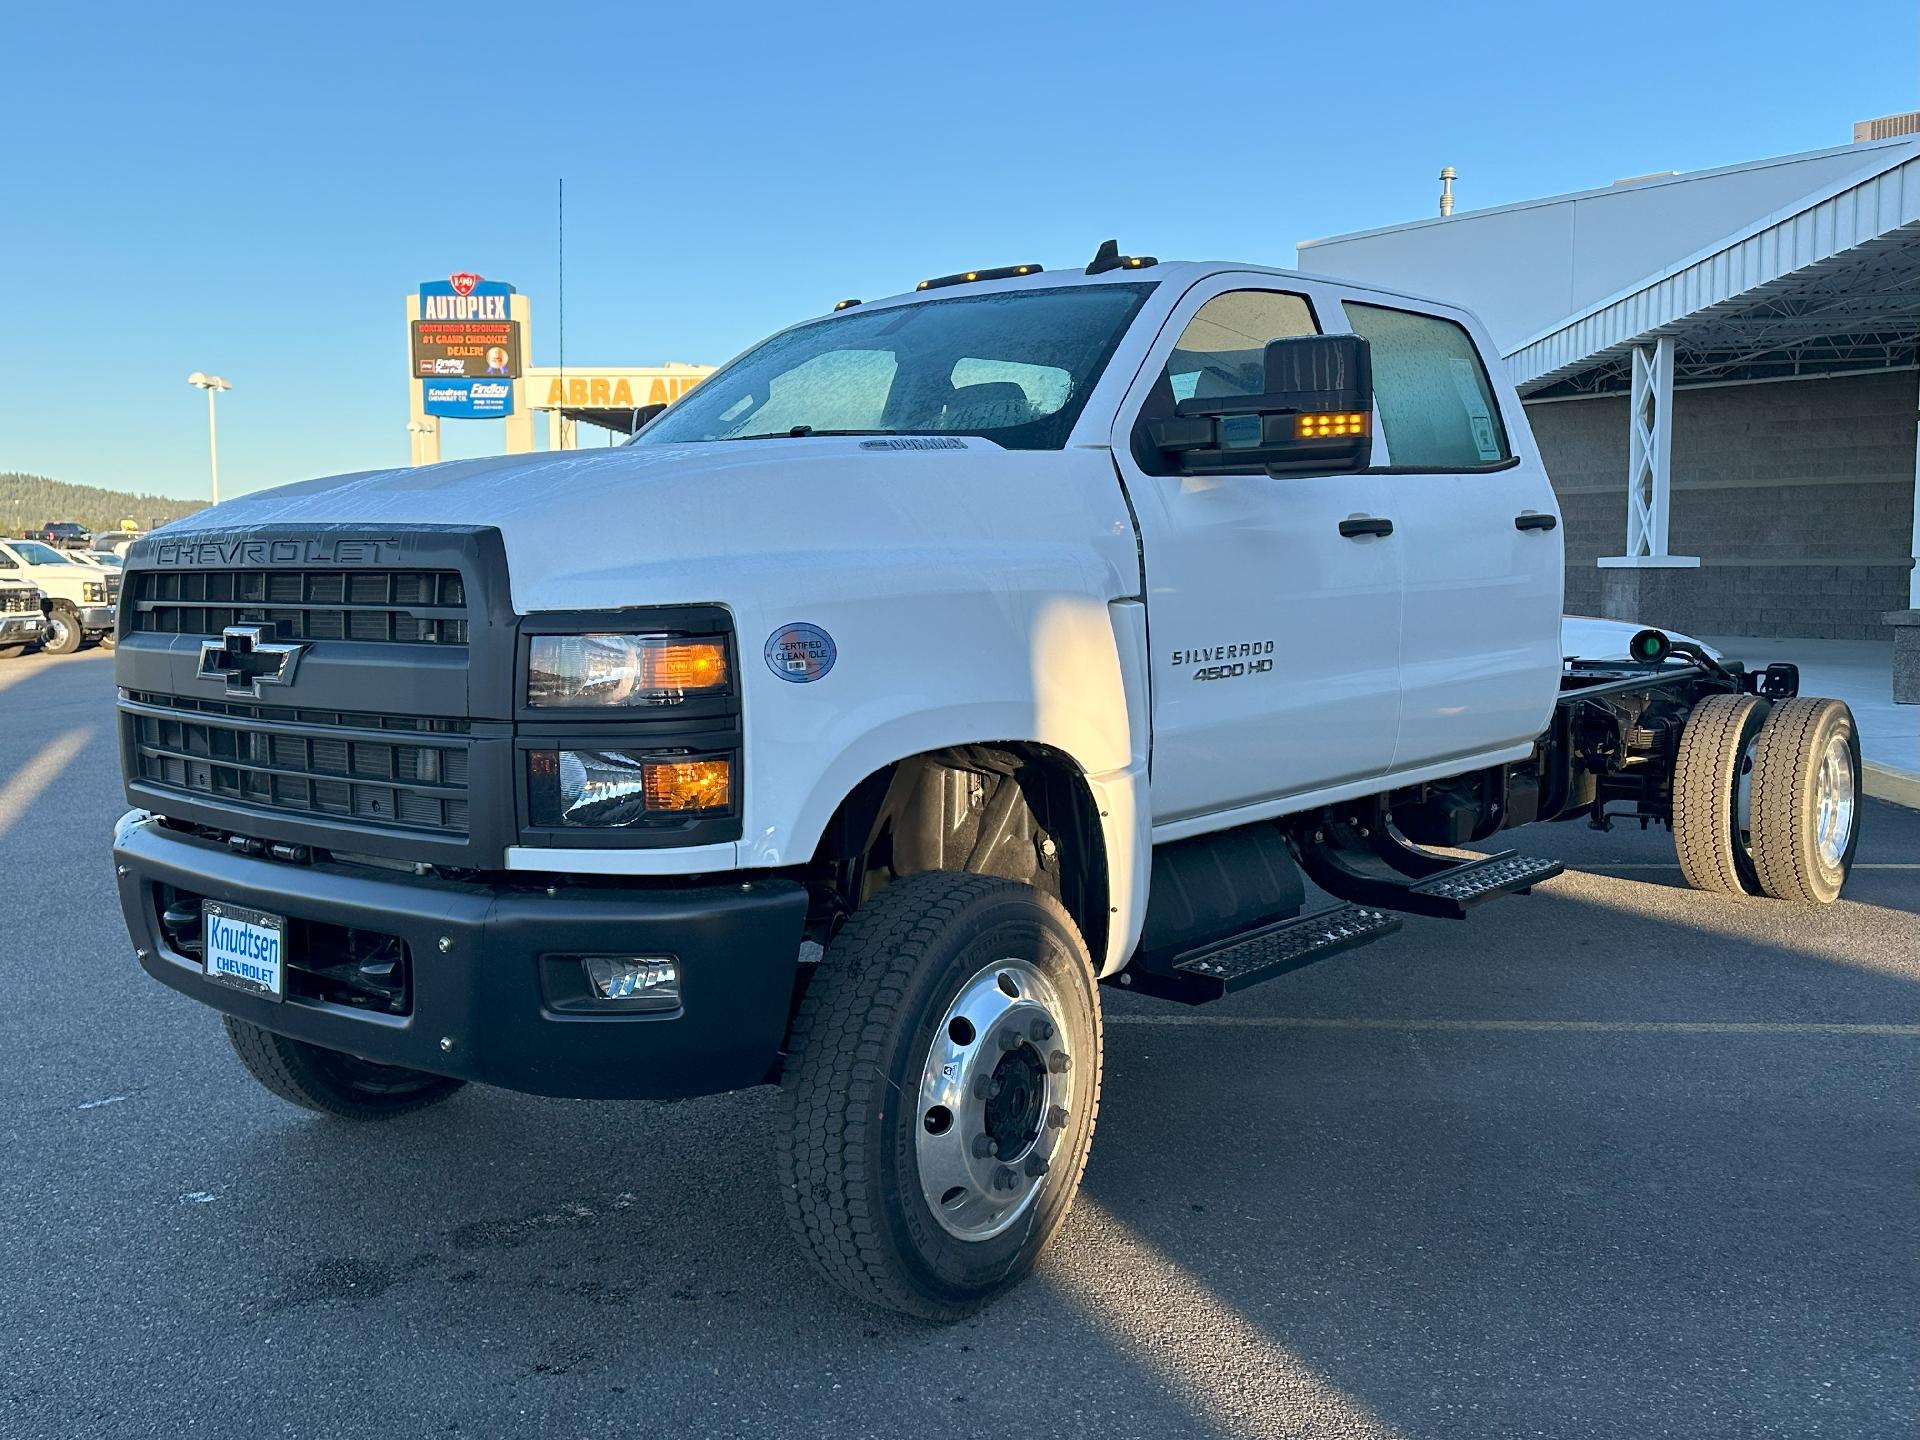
x,y
1273,608
1477,525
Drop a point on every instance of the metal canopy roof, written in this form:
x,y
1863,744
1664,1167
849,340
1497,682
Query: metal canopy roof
x,y
1831,284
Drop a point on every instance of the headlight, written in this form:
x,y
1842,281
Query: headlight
x,y
612,788
572,671
94,592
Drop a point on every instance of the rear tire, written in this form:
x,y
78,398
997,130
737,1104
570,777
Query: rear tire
x,y
12,652
63,632
1806,800
330,1081
1708,834
940,1092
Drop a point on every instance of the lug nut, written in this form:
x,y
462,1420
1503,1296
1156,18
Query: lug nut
x,y
1059,1062
982,1086
1036,1166
1005,1179
1041,1031
1009,1040
1057,1118
985,1147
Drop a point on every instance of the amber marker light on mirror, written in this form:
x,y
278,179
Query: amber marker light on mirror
x,y
1327,424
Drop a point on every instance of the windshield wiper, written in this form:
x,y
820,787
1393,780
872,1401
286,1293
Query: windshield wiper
x,y
801,431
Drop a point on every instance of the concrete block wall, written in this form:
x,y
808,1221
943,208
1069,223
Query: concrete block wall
x,y
1796,495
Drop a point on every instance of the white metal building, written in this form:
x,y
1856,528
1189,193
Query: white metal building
x,y
1721,369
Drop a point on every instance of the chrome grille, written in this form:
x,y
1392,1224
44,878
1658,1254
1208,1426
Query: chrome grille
x,y
18,599
424,607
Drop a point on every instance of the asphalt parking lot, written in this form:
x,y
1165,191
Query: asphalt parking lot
x,y
1613,1160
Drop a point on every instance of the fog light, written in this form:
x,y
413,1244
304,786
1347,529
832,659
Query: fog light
x,y
643,982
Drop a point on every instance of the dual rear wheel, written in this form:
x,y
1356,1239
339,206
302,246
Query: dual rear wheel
x,y
1766,798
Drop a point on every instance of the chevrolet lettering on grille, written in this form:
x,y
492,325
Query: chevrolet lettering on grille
x,y
245,657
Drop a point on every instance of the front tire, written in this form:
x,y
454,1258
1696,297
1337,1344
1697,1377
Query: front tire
x,y
64,634
941,1087
330,1081
1806,800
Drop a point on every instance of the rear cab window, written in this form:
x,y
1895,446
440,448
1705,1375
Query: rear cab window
x,y
1436,406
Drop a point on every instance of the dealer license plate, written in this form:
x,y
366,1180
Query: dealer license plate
x,y
245,948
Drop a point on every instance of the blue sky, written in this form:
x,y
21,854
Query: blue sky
x,y
254,189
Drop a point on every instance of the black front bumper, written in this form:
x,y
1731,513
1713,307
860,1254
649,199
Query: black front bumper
x,y
477,1009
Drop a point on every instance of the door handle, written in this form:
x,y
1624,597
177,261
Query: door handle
x,y
1532,521
1365,525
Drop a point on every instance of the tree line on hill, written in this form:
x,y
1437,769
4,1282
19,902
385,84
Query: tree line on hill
x,y
27,501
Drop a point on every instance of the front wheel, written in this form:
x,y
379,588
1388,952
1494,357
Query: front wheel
x,y
63,632
331,1081
940,1092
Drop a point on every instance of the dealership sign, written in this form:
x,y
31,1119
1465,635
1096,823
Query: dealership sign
x,y
466,332
468,399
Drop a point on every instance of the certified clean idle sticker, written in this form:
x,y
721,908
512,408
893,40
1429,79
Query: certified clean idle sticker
x,y
800,653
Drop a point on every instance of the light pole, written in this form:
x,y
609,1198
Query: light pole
x,y
212,384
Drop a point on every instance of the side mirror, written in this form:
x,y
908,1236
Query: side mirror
x,y
642,417
1316,414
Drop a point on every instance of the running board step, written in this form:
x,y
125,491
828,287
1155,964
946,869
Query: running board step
x,y
1505,874
1263,954
1376,866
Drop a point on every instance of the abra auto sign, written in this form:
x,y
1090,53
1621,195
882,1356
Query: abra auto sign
x,y
466,331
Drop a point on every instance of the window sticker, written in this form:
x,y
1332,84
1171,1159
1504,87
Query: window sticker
x,y
1467,381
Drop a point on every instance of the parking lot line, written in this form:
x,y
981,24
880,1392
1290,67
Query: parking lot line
x,y
1672,865
1606,1027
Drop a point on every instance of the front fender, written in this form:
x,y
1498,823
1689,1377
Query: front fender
x,y
1078,686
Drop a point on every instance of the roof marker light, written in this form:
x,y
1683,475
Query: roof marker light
x,y
965,277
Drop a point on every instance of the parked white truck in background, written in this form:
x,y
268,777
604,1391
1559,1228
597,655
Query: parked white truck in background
x,y
23,619
81,596
935,661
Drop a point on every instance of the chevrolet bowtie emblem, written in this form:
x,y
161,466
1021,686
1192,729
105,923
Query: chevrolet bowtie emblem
x,y
247,657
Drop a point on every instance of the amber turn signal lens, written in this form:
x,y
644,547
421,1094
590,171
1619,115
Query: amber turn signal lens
x,y
690,666
688,784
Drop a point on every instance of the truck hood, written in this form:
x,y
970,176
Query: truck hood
x,y
660,524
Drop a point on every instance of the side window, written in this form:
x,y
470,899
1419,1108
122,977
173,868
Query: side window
x,y
1221,352
1437,411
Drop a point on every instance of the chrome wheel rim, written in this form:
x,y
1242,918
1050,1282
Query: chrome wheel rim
x,y
995,1097
57,630
1834,801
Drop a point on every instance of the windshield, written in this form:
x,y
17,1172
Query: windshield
x,y
34,553
1015,367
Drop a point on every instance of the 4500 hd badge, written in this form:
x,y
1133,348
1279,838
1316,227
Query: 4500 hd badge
x,y
1227,662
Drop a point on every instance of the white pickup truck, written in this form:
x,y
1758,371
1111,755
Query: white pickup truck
x,y
933,662
23,618
81,595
